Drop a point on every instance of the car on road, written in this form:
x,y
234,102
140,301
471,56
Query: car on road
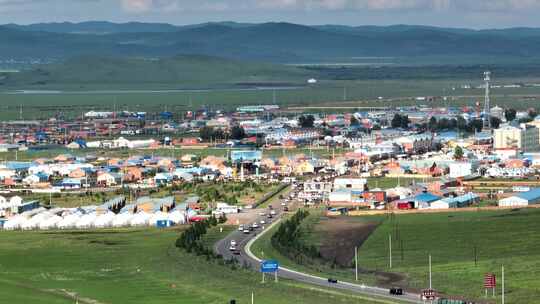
x,y
233,242
270,216
246,231
273,212
232,248
241,228
236,252
255,225
262,213
332,280
283,204
396,291
286,209
263,222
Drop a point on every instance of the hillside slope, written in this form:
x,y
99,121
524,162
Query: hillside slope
x,y
196,70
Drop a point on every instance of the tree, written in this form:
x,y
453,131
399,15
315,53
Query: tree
x,y
206,133
510,114
432,125
237,132
458,153
405,122
396,121
495,122
306,121
218,134
476,125
532,113
461,123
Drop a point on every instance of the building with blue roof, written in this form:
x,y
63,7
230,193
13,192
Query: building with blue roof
x,y
522,199
424,200
455,202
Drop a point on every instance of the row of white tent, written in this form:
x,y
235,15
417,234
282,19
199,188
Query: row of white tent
x,y
51,220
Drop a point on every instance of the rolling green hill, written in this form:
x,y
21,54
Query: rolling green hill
x,y
183,70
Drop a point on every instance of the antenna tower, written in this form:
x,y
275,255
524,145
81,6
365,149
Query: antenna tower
x,y
487,106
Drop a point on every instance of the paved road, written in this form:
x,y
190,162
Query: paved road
x,y
244,242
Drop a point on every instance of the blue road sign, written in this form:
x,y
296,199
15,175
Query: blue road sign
x,y
269,266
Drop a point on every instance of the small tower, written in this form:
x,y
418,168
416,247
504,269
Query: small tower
x,y
487,107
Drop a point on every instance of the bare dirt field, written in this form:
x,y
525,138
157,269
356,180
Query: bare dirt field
x,y
339,236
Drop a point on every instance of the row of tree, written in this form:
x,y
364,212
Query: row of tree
x,y
190,239
287,240
210,133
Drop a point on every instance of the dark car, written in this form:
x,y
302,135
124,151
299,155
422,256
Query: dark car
x,y
396,291
332,280
236,252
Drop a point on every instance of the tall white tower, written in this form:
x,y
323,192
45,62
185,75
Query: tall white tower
x,y
487,107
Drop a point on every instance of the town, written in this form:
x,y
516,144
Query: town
x,y
269,152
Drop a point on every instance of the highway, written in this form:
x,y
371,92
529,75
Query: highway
x,y
245,241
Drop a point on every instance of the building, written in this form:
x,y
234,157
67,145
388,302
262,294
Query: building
x,y
525,138
455,202
416,143
316,190
521,199
350,183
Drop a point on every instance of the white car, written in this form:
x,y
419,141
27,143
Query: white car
x,y
283,204
246,231
263,222
273,212
241,228
262,213
233,243
232,248
255,225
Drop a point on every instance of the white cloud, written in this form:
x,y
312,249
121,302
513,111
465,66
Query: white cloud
x,y
137,6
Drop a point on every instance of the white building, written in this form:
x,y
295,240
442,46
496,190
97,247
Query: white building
x,y
525,138
350,183
521,199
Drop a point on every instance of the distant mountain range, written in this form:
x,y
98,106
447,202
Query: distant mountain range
x,y
269,42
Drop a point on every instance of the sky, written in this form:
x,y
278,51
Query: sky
x,y
450,13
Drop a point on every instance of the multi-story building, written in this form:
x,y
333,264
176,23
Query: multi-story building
x,y
525,138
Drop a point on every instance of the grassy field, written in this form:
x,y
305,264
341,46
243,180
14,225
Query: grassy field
x,y
509,238
352,93
133,266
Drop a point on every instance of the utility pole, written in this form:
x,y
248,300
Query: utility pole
x,y
502,299
430,285
356,262
390,249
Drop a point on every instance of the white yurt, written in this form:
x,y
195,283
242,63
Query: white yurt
x,y
177,217
122,219
140,219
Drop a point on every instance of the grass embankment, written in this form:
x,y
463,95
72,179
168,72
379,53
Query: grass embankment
x,y
132,266
263,249
509,238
